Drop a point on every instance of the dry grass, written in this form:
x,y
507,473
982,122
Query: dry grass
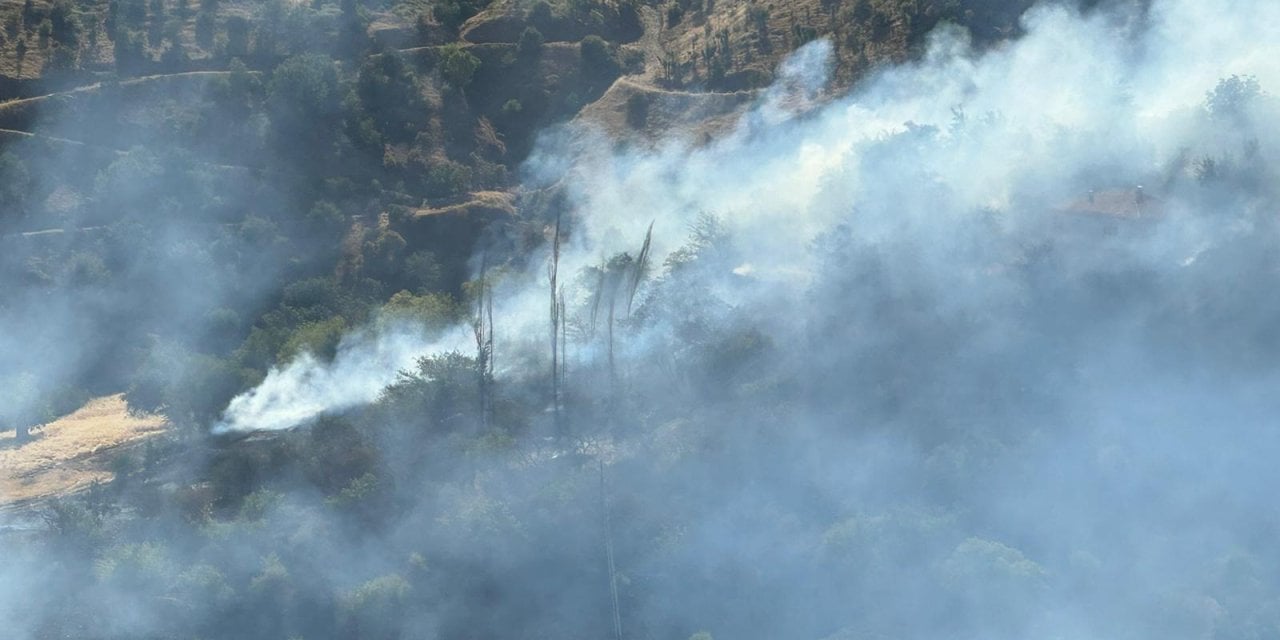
x,y
495,202
1116,203
71,453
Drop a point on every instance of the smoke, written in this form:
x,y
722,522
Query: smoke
x,y
917,361
366,362
952,290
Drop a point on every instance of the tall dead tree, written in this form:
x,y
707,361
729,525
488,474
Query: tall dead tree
x,y
557,313
482,327
641,267
563,382
621,275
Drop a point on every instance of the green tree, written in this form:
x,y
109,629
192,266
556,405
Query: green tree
x,y
131,51
376,610
206,25
159,15
1231,98
457,65
45,33
64,24
237,37
21,50
452,13
304,105
530,44
389,92
597,57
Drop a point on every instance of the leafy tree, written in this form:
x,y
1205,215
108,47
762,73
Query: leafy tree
x,y
541,13
131,51
448,178
21,50
64,25
435,310
306,85
190,388
327,218
423,272
132,14
389,92
174,57
317,338
457,65
45,33
376,610
237,37
597,57
530,44
159,15
452,13
675,13
303,102
206,25
1231,98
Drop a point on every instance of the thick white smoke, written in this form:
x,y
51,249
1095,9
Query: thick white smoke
x,y
366,362
1079,103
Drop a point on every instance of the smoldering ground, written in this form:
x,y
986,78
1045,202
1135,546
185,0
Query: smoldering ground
x,y
922,361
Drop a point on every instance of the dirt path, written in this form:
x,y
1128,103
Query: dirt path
x,y
28,134
21,102
631,81
121,152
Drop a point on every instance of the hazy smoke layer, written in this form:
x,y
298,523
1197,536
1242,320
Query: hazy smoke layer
x,y
984,349
1003,147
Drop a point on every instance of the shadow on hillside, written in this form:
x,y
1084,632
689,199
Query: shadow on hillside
x,y
8,442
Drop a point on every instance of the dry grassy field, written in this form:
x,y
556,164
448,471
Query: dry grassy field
x,y
71,453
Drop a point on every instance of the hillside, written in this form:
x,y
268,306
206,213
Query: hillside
x,y
639,319
376,143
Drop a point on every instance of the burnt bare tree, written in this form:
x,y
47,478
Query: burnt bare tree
x,y
482,327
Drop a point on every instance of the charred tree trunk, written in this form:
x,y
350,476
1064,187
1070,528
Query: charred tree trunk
x,y
557,312
482,325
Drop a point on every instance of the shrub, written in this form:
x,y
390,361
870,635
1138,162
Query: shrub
x,y
638,110
541,13
318,338
237,36
206,24
448,178
674,15
597,57
436,310
422,271
375,609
